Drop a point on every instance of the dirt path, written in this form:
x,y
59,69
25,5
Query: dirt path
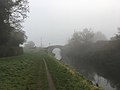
x,y
50,81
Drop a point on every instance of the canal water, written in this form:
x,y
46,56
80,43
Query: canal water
x,y
57,53
101,81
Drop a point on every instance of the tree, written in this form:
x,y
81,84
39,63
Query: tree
x,y
117,36
12,14
18,12
81,37
30,44
16,38
5,28
99,36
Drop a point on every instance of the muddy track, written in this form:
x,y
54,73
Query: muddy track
x,y
50,80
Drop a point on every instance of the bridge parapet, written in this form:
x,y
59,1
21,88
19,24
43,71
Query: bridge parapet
x,y
51,48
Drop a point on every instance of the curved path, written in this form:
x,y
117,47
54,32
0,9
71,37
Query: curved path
x,y
50,81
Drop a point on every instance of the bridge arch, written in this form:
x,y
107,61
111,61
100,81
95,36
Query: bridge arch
x,y
51,48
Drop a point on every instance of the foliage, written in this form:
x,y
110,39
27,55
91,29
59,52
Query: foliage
x,y
101,57
84,36
117,36
12,14
18,10
16,38
30,44
99,36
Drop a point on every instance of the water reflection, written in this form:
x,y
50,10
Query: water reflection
x,y
102,82
96,79
57,53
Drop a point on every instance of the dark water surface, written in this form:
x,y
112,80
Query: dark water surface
x,y
96,79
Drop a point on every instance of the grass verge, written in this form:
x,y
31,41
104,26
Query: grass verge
x,y
66,78
25,72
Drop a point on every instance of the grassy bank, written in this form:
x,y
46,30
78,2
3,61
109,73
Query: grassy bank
x,y
25,72
66,78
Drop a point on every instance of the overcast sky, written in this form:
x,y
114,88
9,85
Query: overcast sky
x,y
55,20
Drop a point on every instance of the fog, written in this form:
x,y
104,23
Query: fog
x,y
56,20
83,35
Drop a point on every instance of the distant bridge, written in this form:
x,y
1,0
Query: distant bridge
x,y
51,48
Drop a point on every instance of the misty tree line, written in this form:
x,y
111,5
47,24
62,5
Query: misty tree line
x,y
12,14
91,52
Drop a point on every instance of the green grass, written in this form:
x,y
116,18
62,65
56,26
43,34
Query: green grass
x,y
66,78
25,72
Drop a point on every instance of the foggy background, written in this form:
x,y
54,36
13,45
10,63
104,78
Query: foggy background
x,y
55,20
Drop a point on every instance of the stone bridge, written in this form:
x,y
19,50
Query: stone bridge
x,y
51,48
